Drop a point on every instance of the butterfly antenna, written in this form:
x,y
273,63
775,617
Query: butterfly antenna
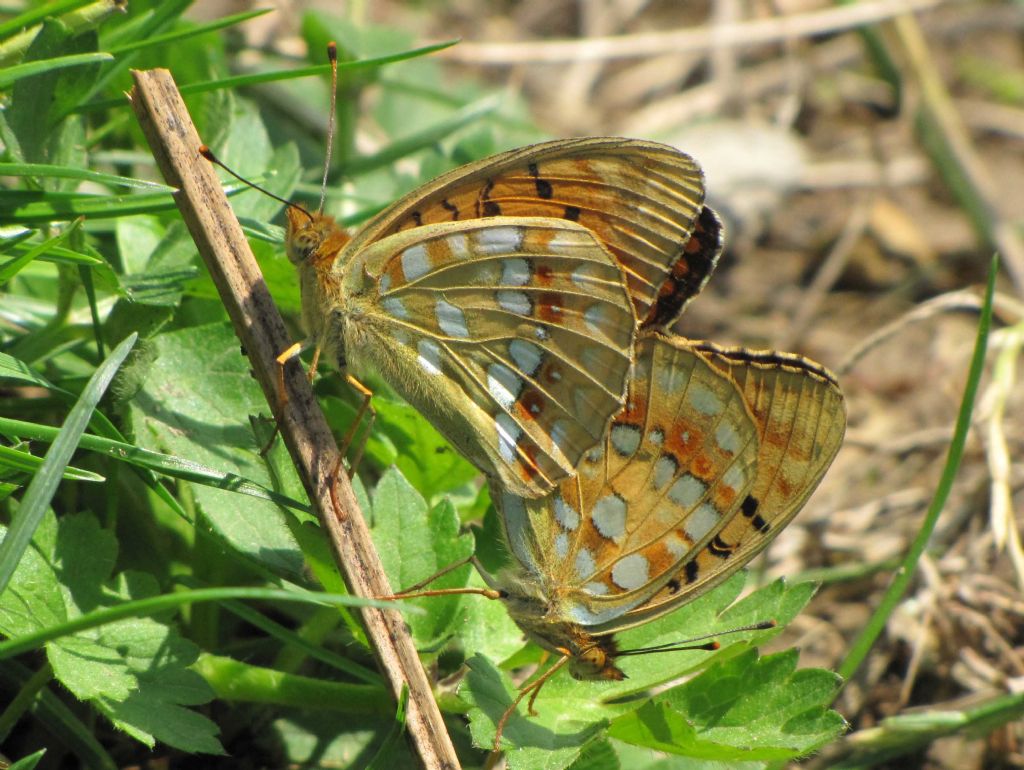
x,y
697,643
207,153
332,56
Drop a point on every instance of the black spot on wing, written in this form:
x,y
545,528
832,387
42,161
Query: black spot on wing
x,y
487,207
544,190
451,208
749,509
720,548
749,506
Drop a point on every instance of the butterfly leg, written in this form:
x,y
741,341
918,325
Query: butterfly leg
x,y
282,359
536,690
530,689
364,407
346,442
312,365
416,591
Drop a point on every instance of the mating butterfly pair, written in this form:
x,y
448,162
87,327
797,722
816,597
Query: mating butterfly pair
x,y
520,303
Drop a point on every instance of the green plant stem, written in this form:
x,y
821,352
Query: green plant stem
x,y
235,681
23,701
845,573
299,646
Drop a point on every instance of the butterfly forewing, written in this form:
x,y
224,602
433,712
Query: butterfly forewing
x,y
644,201
514,338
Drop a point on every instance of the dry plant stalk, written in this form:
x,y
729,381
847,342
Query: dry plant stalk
x,y
687,40
205,210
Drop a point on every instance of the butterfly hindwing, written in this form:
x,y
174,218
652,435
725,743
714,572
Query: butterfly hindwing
x,y
515,339
800,416
676,463
644,201
713,454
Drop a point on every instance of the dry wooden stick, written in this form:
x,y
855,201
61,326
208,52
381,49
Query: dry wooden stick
x,y
205,209
687,40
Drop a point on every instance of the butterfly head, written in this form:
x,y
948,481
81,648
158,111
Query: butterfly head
x,y
595,659
538,611
312,239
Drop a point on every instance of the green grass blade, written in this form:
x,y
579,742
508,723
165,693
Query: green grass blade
x,y
62,256
422,139
26,462
29,762
168,465
258,78
43,486
47,207
61,722
10,75
156,604
47,170
31,206
12,268
15,369
290,638
185,34
862,645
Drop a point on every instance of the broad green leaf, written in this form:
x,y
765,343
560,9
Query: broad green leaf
x,y
33,599
40,103
571,712
135,671
194,402
424,457
743,709
414,544
643,758
44,484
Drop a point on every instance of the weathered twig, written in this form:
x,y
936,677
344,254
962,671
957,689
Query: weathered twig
x,y
220,240
706,38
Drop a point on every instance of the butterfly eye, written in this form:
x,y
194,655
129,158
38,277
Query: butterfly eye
x,y
300,248
589,663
